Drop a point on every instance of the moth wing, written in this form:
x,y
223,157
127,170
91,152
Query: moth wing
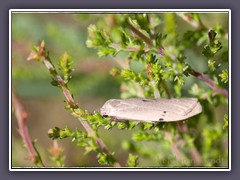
x,y
152,110
147,114
181,106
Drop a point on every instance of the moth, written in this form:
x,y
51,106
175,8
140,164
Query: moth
x,y
151,110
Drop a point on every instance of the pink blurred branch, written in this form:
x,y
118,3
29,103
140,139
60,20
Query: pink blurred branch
x,y
187,18
210,83
21,116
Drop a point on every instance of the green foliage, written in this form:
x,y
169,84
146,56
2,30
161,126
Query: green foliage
x,y
152,64
196,37
212,147
211,49
160,62
225,121
82,139
65,63
132,160
224,76
106,159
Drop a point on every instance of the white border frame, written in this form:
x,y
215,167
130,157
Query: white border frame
x,y
115,11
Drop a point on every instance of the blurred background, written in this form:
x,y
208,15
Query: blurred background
x,y
91,85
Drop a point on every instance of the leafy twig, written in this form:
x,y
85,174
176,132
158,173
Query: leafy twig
x,y
43,56
193,72
210,83
139,34
194,152
56,154
161,51
21,116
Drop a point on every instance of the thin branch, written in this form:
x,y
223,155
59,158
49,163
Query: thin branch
x,y
207,80
134,48
201,76
210,83
21,116
191,21
174,147
166,90
46,60
197,160
160,51
56,152
140,34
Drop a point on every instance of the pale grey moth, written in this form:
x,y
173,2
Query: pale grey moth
x,y
151,110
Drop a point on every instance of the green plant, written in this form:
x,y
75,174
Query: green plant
x,y
134,40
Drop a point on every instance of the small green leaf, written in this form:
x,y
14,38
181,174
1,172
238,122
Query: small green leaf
x,y
225,121
106,159
54,83
211,64
65,64
211,35
132,160
207,52
224,76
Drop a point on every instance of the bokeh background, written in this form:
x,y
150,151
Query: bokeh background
x,y
91,85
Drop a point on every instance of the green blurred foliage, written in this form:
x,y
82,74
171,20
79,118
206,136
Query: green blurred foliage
x,y
184,48
62,33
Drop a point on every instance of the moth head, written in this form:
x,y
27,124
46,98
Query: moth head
x,y
108,107
104,111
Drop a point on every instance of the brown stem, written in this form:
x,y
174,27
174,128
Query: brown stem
x,y
210,83
140,34
134,48
167,90
21,116
90,132
174,147
207,80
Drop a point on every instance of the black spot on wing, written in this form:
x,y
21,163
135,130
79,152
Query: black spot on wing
x,y
164,113
148,100
160,119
